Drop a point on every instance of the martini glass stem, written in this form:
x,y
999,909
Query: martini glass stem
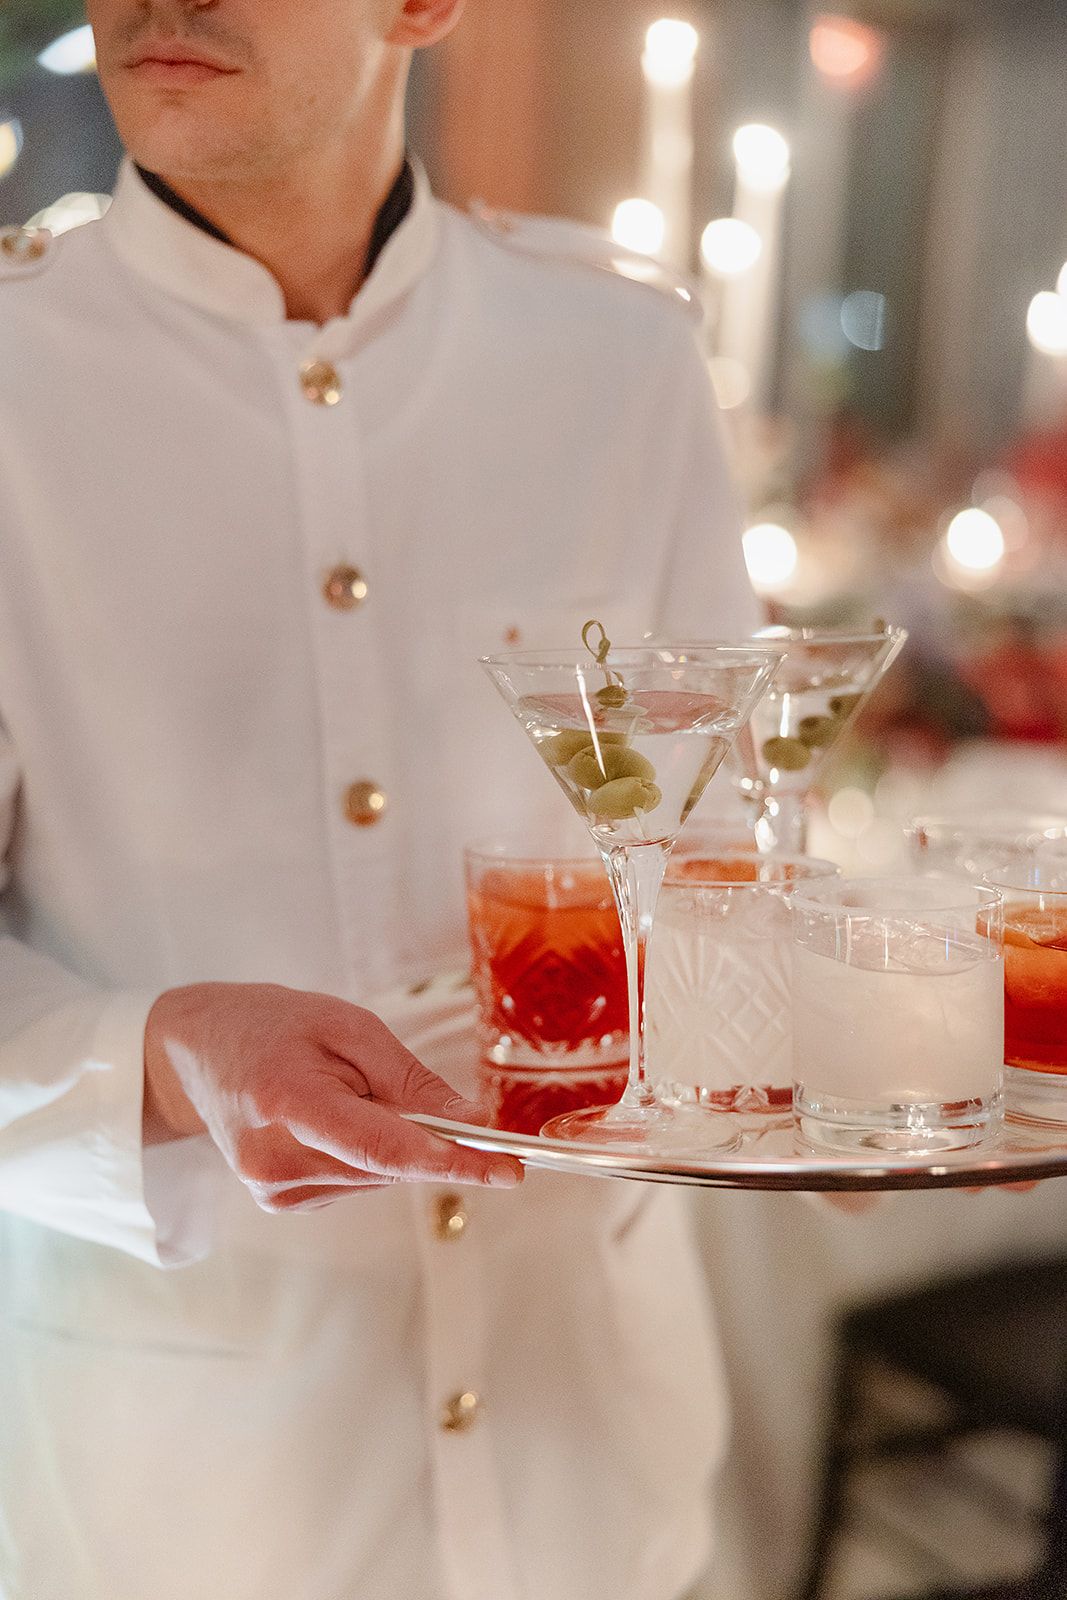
x,y
636,873
783,824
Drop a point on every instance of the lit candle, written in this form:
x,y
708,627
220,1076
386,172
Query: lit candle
x,y
1045,385
729,248
640,226
749,310
667,178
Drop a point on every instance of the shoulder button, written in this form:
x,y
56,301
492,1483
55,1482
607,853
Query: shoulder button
x,y
552,239
23,250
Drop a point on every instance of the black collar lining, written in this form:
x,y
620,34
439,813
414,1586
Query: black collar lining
x,y
391,214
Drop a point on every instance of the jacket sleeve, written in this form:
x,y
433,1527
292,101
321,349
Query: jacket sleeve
x,y
71,1089
705,592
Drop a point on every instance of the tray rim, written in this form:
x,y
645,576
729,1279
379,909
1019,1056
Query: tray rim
x,y
981,1165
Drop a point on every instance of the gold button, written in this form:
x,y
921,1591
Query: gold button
x,y
320,383
24,245
345,588
461,1412
364,804
449,1217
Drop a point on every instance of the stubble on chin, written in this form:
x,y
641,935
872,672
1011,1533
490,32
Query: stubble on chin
x,y
169,134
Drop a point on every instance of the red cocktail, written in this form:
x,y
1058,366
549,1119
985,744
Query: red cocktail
x,y
550,976
1035,987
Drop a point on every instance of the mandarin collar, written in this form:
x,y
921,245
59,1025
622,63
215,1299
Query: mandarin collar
x,y
184,261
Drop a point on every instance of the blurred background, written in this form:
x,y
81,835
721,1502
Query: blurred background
x,y
872,202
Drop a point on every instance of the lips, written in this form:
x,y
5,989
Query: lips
x,y
177,63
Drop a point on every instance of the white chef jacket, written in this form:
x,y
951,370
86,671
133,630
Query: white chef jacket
x,y
521,441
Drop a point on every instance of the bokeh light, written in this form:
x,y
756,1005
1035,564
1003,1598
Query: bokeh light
x,y
974,541
863,319
729,247
670,51
844,51
10,144
639,225
762,155
72,52
851,811
1010,518
770,556
1046,323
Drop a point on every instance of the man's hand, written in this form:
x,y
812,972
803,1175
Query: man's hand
x,y
301,1093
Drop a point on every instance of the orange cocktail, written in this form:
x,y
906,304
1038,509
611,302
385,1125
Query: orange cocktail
x,y
550,976
1035,987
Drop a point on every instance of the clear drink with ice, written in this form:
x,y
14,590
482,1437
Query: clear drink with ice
x,y
898,1014
719,986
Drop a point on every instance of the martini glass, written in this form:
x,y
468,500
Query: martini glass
x,y
632,737
824,679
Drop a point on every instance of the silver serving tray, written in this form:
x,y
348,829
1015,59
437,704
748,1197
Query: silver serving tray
x,y
770,1156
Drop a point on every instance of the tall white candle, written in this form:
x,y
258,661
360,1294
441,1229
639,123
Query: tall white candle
x,y
667,158
729,249
749,313
1045,383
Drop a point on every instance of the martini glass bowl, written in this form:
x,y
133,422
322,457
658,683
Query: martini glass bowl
x,y
824,679
632,737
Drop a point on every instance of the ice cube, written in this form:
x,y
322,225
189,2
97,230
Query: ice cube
x,y
759,913
1047,928
927,952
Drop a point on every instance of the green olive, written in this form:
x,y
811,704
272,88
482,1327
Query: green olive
x,y
615,761
620,761
843,705
622,798
563,747
788,755
816,732
612,696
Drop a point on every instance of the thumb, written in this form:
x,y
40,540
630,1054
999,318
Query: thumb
x,y
393,1075
422,1090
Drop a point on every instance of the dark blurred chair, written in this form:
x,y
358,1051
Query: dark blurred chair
x,y
993,1348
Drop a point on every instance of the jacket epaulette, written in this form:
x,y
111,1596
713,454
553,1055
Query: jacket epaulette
x,y
556,239
24,251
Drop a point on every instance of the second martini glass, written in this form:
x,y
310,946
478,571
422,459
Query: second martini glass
x,y
632,737
825,677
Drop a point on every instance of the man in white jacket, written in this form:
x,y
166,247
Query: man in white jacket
x,y
285,444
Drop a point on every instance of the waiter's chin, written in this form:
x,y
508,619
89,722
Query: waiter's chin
x,y
206,129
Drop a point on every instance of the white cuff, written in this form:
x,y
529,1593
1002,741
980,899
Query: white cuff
x,y
71,1151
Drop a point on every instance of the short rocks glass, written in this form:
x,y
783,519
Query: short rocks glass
x,y
970,844
1035,987
718,1001
550,977
898,1013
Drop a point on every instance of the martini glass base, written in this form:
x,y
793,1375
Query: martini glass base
x,y
677,1130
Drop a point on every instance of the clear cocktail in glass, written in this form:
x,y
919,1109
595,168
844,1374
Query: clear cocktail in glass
x,y
632,737
719,993
972,843
898,1013
824,679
